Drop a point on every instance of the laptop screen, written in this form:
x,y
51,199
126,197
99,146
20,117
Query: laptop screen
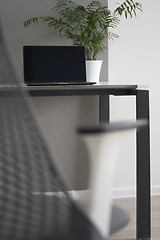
x,y
54,64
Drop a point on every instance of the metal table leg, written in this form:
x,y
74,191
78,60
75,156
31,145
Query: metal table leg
x,y
103,108
143,168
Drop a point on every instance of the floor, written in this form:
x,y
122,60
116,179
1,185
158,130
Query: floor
x,y
129,232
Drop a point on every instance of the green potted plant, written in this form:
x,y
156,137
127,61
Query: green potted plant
x,y
88,26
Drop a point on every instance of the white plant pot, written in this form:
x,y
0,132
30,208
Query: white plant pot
x,y
93,69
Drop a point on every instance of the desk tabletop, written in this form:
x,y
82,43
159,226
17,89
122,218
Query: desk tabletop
x,y
73,90
83,87
101,85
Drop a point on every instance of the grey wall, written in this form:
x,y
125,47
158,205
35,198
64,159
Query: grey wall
x,y
59,116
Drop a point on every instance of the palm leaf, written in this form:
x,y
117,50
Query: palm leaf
x,y
88,26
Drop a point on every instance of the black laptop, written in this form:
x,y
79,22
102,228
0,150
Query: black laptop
x,y
54,65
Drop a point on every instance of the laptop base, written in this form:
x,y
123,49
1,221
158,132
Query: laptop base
x,y
60,84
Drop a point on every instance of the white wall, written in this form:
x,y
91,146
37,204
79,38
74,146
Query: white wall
x,y
134,58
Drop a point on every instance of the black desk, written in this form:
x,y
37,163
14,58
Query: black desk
x,y
143,223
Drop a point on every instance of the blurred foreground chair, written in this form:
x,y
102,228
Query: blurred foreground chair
x,y
104,143
27,167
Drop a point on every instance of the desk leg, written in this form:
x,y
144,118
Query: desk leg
x,y
143,168
103,108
